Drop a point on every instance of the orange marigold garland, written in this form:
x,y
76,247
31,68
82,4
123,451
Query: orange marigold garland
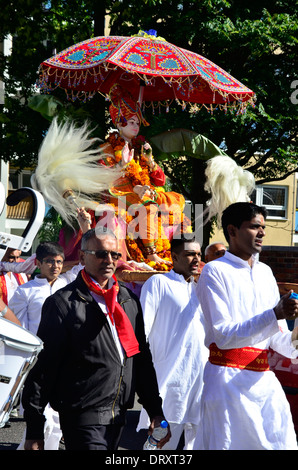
x,y
138,173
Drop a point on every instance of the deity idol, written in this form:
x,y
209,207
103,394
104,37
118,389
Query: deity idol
x,y
159,212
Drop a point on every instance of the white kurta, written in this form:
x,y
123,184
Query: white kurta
x,y
29,298
173,326
243,409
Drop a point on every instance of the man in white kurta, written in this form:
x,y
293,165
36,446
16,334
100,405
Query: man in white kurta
x,y
29,298
9,281
174,329
243,408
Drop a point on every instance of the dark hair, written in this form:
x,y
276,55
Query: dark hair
x,y
97,232
238,213
45,249
178,243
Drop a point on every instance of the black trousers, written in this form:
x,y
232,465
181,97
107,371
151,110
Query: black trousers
x,y
90,436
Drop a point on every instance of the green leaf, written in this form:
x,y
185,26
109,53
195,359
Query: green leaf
x,y
183,142
46,105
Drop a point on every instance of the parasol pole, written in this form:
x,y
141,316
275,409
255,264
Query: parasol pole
x,y
112,77
141,93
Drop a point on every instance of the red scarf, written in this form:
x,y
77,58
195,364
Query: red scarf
x,y
124,328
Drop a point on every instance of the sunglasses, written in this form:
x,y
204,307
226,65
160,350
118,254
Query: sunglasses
x,y
102,254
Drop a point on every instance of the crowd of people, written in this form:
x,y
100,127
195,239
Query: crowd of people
x,y
193,347
192,343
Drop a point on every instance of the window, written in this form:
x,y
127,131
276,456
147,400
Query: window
x,y
19,180
274,198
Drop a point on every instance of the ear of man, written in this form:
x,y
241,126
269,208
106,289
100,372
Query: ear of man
x,y
232,230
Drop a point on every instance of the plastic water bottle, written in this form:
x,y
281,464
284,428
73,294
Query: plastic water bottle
x,y
293,295
158,433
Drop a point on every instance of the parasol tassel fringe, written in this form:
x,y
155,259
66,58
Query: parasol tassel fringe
x,y
66,161
227,183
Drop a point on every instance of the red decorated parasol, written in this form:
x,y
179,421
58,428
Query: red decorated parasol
x,y
150,68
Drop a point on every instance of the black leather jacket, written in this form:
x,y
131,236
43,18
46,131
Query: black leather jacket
x,y
79,371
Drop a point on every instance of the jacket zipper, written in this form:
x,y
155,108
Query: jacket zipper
x,y
121,374
118,390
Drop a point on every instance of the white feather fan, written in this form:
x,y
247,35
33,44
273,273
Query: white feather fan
x,y
227,183
66,161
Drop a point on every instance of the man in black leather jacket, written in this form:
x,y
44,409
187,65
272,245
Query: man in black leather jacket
x,y
83,371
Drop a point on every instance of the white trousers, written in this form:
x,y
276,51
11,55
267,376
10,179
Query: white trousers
x,y
52,431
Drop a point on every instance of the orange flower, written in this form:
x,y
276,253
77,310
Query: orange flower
x,y
137,174
134,250
110,161
118,155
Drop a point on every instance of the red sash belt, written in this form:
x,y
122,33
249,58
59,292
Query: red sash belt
x,y
240,358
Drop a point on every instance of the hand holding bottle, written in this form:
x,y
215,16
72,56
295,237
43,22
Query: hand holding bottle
x,y
159,434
